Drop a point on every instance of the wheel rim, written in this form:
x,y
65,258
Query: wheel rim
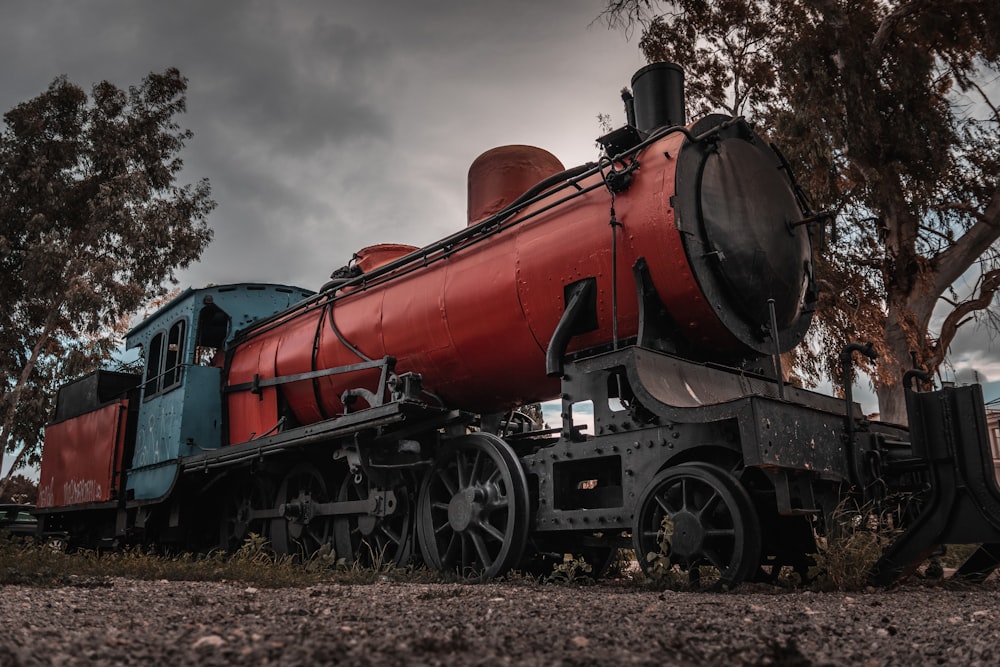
x,y
301,532
473,508
369,540
694,516
247,496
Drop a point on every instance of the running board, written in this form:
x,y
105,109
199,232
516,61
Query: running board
x,y
948,431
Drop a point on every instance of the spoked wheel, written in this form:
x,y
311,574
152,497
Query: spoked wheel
x,y
301,532
371,540
472,514
243,499
696,517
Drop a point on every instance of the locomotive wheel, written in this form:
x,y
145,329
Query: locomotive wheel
x,y
369,540
473,510
696,516
301,532
241,501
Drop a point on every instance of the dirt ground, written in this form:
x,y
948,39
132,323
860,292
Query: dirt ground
x,y
120,621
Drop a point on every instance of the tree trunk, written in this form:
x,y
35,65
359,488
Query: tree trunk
x,y
13,397
895,360
892,404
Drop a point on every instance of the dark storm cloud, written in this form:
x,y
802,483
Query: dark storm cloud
x,y
295,90
328,126
973,356
270,86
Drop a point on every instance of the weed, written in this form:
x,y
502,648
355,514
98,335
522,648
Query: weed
x,y
663,573
255,549
571,571
855,540
622,564
324,558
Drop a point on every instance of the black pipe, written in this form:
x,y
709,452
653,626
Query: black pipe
x,y
917,373
629,101
576,306
778,371
847,370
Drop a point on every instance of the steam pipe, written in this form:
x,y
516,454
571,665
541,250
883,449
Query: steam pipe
x,y
576,306
847,368
629,101
779,373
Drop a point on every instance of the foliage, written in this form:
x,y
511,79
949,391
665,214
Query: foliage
x,y
622,564
853,543
20,489
884,110
571,571
93,223
663,573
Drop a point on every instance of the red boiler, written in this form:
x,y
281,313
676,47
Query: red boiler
x,y
475,313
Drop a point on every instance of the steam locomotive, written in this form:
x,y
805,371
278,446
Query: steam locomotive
x,y
382,416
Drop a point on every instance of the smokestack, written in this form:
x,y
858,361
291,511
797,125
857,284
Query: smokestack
x,y
659,96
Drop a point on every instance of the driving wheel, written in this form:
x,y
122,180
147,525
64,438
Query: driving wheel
x,y
373,540
301,532
473,509
243,500
694,518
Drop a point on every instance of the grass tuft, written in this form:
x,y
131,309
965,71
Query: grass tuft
x,y
855,540
29,563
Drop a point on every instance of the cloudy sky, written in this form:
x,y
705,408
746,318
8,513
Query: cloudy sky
x,y
328,126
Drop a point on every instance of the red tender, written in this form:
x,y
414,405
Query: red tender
x,y
82,458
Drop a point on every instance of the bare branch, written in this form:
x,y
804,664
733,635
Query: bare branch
x,y
951,263
890,22
625,15
989,284
986,100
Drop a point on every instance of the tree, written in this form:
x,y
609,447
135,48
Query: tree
x,y
882,107
93,224
20,489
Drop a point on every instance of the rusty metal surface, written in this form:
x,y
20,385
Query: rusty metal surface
x,y
502,174
82,459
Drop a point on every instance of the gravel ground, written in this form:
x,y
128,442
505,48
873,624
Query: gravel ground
x,y
120,621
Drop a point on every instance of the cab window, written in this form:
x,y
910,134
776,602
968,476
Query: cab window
x,y
153,365
165,361
172,361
